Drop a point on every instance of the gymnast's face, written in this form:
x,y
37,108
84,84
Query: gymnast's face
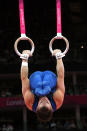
x,y
44,102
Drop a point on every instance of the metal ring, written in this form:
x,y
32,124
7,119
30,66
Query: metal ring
x,y
59,37
23,38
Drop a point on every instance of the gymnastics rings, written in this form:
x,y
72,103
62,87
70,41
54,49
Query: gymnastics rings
x,y
23,38
59,54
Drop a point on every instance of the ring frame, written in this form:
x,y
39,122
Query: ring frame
x,y
23,38
56,38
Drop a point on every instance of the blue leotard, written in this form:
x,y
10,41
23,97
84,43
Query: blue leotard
x,y
43,84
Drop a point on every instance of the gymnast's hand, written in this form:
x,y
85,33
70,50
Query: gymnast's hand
x,y
25,55
56,51
27,52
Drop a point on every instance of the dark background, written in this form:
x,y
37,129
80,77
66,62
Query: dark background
x,y
40,20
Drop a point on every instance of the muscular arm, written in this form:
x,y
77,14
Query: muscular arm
x,y
60,89
27,94
60,74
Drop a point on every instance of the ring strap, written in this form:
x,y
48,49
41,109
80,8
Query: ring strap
x,y
23,33
58,13
22,20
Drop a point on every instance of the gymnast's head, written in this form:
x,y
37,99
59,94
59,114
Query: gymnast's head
x,y
44,109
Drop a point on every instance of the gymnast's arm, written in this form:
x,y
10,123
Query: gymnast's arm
x,y
27,94
60,88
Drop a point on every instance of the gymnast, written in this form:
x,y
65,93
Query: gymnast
x,y
43,92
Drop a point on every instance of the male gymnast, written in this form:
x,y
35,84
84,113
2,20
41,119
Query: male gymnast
x,y
43,91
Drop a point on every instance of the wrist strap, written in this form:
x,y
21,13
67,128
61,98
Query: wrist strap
x,y
59,55
24,63
24,56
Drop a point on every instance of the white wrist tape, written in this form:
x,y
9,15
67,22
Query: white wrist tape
x,y
24,56
24,63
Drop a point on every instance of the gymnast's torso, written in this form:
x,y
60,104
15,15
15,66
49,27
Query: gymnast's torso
x,y
43,83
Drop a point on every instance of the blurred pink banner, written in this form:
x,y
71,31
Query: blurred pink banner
x,y
19,102
11,102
